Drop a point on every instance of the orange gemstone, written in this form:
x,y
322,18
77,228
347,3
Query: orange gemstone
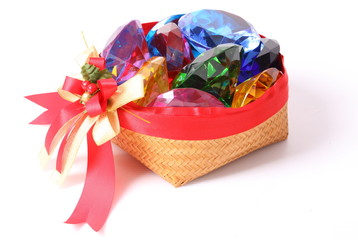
x,y
155,75
255,87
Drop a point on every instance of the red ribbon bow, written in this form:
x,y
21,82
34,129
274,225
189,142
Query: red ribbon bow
x,y
107,87
66,119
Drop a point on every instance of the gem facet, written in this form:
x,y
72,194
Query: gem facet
x,y
155,76
173,19
214,71
255,87
169,42
265,59
205,29
186,97
126,51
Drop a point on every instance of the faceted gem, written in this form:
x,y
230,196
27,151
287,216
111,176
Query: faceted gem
x,y
265,59
155,76
205,29
173,19
169,42
255,87
126,51
186,97
214,71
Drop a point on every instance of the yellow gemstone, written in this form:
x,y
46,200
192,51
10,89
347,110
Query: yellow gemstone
x,y
255,87
155,75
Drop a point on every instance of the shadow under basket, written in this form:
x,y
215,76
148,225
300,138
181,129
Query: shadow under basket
x,y
181,144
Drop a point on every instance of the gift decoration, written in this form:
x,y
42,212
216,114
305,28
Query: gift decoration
x,y
184,96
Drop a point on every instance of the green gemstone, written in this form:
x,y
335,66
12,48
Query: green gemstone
x,y
215,71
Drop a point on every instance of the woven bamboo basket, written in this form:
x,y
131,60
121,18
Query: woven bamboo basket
x,y
179,161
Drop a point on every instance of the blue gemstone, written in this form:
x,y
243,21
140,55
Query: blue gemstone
x,y
266,58
205,29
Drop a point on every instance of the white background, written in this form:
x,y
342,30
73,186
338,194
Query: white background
x,y
304,188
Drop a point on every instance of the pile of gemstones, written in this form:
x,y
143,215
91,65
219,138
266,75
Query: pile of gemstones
x,y
207,58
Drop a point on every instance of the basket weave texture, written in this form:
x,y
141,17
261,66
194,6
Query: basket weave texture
x,y
181,161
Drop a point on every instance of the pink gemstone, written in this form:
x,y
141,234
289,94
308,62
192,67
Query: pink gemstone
x,y
126,50
186,97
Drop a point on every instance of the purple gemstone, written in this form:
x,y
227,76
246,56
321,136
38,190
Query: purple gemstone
x,y
126,50
186,97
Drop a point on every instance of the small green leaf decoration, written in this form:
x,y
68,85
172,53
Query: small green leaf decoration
x,y
92,73
105,74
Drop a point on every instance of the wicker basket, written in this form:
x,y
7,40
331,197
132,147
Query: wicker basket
x,y
179,161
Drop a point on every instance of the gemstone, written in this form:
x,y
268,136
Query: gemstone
x,y
205,29
265,59
214,71
173,19
186,97
155,75
255,87
126,51
169,43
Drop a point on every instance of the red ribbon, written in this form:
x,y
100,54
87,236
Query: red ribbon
x,y
98,62
96,199
98,103
97,196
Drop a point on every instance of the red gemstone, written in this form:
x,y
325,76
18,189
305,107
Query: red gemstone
x,y
91,88
169,42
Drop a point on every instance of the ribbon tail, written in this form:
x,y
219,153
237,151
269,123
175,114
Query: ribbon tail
x,y
71,144
51,101
97,196
106,127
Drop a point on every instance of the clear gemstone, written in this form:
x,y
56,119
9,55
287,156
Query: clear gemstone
x,y
186,97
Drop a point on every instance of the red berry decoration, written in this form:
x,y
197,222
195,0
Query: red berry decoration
x,y
91,88
84,85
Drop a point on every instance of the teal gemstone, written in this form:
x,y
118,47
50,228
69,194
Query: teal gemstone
x,y
214,71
